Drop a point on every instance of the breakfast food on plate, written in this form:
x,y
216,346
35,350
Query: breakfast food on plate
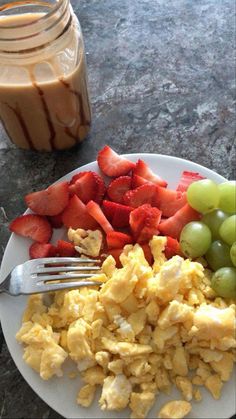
x,y
165,314
175,409
147,328
86,242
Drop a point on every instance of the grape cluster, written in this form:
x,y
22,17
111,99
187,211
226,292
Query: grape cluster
x,y
214,237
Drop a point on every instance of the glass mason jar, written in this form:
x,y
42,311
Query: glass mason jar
x,y
44,102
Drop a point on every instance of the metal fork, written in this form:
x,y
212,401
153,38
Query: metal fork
x,y
35,276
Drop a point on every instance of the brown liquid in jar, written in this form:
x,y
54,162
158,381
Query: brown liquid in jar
x,y
44,105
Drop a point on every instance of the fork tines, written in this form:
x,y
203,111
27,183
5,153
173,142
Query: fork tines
x,y
65,260
53,269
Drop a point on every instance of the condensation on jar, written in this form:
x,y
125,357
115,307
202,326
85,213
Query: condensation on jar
x,y
44,100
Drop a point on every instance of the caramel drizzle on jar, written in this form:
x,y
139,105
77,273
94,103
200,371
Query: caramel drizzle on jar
x,y
22,123
46,112
52,131
84,121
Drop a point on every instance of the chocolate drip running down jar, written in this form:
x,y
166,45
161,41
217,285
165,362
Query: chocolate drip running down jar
x,y
44,101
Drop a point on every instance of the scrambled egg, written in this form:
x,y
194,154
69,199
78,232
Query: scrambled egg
x,y
147,328
176,409
87,242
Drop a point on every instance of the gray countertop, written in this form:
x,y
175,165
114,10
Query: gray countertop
x,y
161,76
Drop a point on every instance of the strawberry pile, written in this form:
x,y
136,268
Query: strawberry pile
x,y
135,205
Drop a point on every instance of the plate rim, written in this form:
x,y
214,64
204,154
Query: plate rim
x,y
196,167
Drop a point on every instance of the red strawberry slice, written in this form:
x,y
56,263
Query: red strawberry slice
x,y
65,249
42,250
76,215
111,164
116,239
118,187
148,232
56,221
117,214
173,226
169,201
144,222
87,186
172,248
33,226
95,211
144,171
137,219
50,201
109,208
186,179
147,253
138,181
142,195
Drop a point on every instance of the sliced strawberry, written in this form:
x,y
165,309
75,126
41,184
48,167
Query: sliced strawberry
x,y
111,164
173,226
138,181
186,179
137,219
118,187
76,215
65,249
147,253
169,201
144,222
116,239
87,186
56,221
42,250
117,214
116,255
95,211
144,171
109,208
50,201
172,248
121,217
33,226
148,231
142,195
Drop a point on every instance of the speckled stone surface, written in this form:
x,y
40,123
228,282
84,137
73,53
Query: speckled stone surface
x,y
161,76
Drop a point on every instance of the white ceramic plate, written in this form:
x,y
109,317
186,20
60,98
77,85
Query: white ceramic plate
x,y
60,393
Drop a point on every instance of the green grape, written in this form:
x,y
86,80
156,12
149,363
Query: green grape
x,y
203,195
233,253
195,239
227,192
228,230
223,282
218,255
213,220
